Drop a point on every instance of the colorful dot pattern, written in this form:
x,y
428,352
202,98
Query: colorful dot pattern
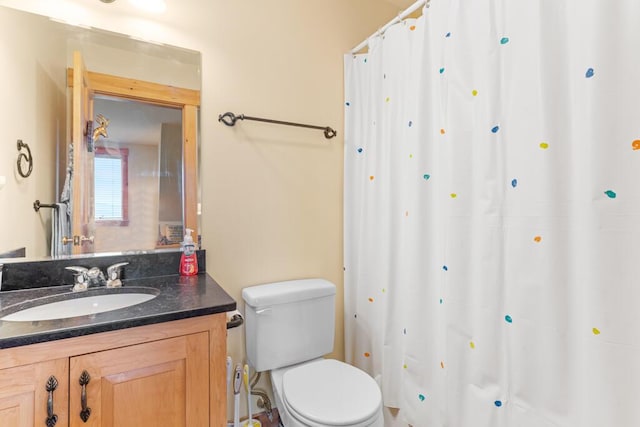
x,y
524,166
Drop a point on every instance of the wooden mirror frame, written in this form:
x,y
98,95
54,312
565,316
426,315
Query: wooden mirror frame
x,y
188,100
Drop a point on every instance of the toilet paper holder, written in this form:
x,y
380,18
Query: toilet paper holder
x,y
234,319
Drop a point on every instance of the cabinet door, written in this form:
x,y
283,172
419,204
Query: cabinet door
x,y
160,383
24,395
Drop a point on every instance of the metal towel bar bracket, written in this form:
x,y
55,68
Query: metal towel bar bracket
x,y
37,205
230,119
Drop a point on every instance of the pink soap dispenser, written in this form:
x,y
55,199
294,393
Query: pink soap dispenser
x,y
188,260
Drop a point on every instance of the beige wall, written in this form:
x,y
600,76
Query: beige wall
x,y
271,195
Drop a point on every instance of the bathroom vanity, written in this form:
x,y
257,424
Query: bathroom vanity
x,y
160,362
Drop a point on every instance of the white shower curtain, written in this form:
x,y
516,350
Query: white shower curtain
x,y
492,214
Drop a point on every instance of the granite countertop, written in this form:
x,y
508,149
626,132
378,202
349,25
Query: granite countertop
x,y
177,298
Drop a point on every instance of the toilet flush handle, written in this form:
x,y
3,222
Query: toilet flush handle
x,y
263,310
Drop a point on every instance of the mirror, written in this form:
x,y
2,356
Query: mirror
x,y
37,110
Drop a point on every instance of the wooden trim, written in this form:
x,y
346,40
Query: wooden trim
x,y
190,168
70,347
82,112
186,99
218,371
138,89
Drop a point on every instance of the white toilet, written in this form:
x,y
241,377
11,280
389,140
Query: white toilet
x,y
289,326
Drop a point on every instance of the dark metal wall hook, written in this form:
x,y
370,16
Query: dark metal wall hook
x,y
26,157
230,119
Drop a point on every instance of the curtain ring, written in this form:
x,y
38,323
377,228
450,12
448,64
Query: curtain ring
x,y
26,157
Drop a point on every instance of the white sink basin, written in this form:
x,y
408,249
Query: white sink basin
x,y
81,306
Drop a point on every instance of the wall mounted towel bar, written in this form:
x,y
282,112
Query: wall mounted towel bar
x,y
37,205
230,119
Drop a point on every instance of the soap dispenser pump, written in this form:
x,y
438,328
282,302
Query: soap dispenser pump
x,y
188,260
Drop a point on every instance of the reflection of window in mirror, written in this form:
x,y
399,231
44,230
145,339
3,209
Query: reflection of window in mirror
x,y
111,178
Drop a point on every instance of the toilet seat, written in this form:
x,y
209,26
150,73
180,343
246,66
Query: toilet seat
x,y
331,393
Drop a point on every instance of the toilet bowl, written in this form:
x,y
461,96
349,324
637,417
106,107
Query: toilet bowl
x,y
289,327
326,392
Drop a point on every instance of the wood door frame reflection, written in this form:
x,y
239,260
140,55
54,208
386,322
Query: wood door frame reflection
x,y
188,100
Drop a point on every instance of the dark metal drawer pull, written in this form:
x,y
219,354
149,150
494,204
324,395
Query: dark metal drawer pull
x,y
52,385
84,380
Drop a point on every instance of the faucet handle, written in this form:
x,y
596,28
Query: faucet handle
x,y
77,270
113,274
80,278
113,271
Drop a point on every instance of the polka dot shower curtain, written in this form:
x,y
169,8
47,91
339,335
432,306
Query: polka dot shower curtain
x,y
492,214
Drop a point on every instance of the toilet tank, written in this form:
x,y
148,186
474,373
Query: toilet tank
x,y
288,322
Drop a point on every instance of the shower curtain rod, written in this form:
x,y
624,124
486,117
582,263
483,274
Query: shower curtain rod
x,y
230,119
408,11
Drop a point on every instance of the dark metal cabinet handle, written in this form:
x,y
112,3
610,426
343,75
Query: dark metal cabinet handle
x,y
52,385
84,380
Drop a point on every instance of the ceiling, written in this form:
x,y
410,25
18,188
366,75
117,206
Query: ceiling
x,y
400,4
126,6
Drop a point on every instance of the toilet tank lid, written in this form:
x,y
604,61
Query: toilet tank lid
x,y
286,292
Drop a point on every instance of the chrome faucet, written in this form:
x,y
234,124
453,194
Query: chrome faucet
x,y
84,278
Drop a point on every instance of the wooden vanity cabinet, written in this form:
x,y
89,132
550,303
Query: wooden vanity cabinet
x,y
171,374
154,384
24,395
